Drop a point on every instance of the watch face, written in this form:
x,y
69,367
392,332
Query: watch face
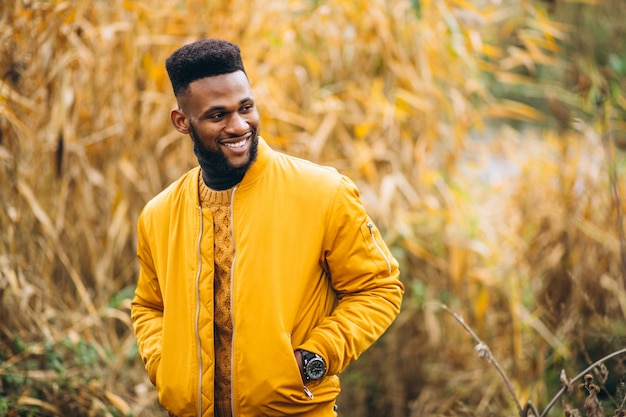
x,y
315,369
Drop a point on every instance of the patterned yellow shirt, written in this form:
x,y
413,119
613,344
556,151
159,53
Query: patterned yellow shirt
x,y
219,204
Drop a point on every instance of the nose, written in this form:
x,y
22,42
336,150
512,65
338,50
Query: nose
x,y
236,125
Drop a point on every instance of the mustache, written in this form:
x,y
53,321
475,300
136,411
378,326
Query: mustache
x,y
251,133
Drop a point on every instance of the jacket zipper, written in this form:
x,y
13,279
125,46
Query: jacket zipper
x,y
232,320
370,226
198,341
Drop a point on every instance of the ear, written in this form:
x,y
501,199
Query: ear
x,y
180,121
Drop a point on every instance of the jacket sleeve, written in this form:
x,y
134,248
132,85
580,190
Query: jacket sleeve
x,y
147,306
365,277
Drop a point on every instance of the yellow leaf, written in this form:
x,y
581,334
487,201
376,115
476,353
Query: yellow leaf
x,y
506,77
481,304
406,99
362,129
118,403
518,57
514,110
39,403
491,51
457,258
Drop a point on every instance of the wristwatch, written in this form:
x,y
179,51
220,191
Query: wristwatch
x,y
313,366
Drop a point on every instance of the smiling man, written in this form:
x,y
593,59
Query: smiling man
x,y
261,275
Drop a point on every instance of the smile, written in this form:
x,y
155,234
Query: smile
x,y
239,144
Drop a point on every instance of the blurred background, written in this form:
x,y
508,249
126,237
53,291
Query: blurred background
x,y
486,138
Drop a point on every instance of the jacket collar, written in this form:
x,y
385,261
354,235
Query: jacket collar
x,y
255,171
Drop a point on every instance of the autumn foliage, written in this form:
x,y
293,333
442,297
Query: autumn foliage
x,y
485,136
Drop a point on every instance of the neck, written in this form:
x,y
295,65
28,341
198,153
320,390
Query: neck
x,y
218,181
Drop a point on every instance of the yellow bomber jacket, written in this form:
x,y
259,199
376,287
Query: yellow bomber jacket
x,y
310,272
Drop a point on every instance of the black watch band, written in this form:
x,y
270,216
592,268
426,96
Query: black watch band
x,y
313,366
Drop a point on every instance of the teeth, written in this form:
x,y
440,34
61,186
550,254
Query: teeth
x,y
236,144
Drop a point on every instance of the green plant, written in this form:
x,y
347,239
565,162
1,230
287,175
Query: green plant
x,y
591,405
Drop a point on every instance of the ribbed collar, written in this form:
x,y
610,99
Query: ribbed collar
x,y
209,197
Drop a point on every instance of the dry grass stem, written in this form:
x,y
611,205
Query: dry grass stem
x,y
487,139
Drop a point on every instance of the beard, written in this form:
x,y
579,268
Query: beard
x,y
217,172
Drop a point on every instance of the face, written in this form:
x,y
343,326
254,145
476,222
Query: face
x,y
220,115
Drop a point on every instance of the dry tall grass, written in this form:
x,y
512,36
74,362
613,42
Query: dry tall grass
x,y
512,225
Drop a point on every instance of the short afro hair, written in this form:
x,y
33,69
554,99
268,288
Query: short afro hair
x,y
200,59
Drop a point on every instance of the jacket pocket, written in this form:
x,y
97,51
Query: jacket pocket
x,y
175,380
377,248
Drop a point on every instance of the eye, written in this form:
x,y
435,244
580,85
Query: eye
x,y
216,116
247,108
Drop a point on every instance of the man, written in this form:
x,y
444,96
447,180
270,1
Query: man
x,y
262,277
